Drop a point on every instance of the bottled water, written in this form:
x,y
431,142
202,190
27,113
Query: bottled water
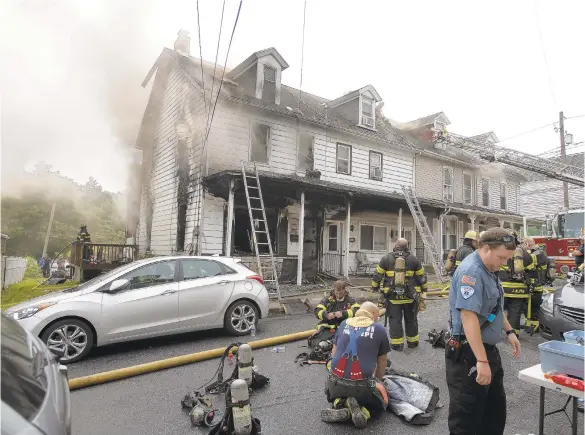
x,y
253,330
278,349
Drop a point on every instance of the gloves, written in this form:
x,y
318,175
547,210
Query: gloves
x,y
375,289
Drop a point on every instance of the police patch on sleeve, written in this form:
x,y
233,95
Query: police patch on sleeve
x,y
469,280
467,291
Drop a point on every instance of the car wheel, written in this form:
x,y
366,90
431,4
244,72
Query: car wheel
x,y
240,316
72,337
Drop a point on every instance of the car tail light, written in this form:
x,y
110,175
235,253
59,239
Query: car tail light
x,y
257,278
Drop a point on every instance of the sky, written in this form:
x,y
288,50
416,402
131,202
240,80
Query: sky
x,y
70,82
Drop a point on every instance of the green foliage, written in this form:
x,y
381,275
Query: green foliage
x,y
32,269
29,289
25,216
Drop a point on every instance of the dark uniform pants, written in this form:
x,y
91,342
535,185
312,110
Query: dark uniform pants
x,y
536,303
395,314
476,409
369,393
515,307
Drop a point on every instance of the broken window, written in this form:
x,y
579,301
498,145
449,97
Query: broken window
x,y
485,192
343,159
503,196
260,140
373,238
447,184
367,118
305,154
269,89
375,165
467,189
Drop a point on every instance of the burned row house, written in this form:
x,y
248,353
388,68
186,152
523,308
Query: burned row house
x,y
339,165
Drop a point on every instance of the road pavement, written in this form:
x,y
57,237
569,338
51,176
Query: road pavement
x,y
150,404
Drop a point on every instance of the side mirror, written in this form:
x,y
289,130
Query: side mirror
x,y
118,284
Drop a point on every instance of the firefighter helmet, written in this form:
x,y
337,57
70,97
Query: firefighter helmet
x,y
471,235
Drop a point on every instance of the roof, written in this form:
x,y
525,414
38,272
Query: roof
x,y
426,120
254,57
351,95
485,136
466,208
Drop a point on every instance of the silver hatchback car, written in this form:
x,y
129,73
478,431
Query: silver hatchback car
x,y
147,298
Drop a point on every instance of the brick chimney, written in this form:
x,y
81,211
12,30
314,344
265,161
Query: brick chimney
x,y
183,42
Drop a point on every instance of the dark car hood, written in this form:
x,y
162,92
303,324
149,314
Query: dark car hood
x,y
570,296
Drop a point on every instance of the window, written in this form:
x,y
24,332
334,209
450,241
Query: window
x,y
367,115
448,184
373,238
260,140
449,234
467,188
503,196
305,157
269,89
153,274
375,165
195,269
439,126
343,159
333,236
485,192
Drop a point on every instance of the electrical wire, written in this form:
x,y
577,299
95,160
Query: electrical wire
x,y
527,132
201,60
302,55
216,56
550,84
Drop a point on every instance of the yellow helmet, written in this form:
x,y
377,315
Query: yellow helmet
x,y
471,235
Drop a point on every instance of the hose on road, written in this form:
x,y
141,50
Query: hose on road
x,y
140,369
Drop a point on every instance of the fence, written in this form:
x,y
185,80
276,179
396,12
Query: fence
x,y
13,269
332,263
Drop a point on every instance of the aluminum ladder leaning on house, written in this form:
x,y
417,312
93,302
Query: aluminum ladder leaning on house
x,y
259,227
425,232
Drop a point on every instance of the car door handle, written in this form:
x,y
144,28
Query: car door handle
x,y
168,292
223,282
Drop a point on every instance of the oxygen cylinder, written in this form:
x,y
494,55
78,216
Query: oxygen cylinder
x,y
242,416
518,260
245,363
552,269
399,272
450,260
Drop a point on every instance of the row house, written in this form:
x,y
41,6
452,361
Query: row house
x,y
338,166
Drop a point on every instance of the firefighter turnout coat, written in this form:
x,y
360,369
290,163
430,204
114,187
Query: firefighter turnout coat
x,y
416,279
348,307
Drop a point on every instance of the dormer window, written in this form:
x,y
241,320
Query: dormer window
x,y
367,116
439,126
269,90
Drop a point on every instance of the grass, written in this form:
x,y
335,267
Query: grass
x,y
27,289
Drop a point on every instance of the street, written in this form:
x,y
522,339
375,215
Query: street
x,y
150,404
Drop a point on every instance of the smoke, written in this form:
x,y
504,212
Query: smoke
x,y
491,170
71,86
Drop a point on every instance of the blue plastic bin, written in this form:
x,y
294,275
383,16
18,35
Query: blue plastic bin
x,y
575,337
562,357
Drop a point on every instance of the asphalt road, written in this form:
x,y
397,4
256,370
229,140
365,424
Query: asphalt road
x,y
150,404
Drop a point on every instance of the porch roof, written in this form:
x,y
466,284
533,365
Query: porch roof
x,y
465,208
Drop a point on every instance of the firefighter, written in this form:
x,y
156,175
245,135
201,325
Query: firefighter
x,y
335,308
402,279
538,277
470,241
84,237
516,283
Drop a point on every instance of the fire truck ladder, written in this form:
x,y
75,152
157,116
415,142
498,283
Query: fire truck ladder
x,y
425,232
259,228
552,168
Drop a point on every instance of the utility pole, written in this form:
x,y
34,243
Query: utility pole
x,y
49,230
564,158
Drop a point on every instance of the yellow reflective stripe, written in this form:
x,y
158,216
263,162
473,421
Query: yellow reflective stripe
x,y
320,314
366,412
401,301
375,284
349,313
420,272
390,273
508,284
323,307
326,325
544,267
457,263
503,267
517,295
539,289
409,273
417,288
356,305
530,267
397,340
380,270
412,339
534,259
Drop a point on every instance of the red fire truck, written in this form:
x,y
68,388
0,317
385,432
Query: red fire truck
x,y
564,230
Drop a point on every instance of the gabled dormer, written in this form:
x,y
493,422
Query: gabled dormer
x,y
358,106
260,75
489,138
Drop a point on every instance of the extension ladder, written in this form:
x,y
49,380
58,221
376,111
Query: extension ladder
x,y
259,228
423,228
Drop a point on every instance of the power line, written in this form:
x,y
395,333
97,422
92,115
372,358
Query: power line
x,y
302,54
216,56
201,60
552,92
526,132
573,117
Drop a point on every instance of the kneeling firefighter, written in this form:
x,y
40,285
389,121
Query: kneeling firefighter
x,y
358,362
516,281
538,278
402,280
455,257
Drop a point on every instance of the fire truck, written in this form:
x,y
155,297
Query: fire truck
x,y
564,230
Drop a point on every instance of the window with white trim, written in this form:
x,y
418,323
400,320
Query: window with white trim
x,y
467,188
260,141
269,88
373,238
503,196
367,112
305,157
343,163
485,192
449,234
447,184
376,165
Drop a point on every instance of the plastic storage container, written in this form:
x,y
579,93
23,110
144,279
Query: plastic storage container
x,y
575,337
562,357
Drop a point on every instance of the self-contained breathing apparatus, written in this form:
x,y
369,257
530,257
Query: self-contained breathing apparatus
x,y
451,259
397,283
237,418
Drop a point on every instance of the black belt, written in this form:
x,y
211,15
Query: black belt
x,y
487,346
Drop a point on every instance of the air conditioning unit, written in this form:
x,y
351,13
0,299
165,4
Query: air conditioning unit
x,y
448,197
376,173
368,121
441,146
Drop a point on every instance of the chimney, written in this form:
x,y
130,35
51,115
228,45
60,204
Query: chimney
x,y
183,43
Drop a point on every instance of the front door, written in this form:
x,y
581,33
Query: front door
x,y
148,306
333,252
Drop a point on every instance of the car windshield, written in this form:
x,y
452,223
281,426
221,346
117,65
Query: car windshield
x,y
571,224
23,380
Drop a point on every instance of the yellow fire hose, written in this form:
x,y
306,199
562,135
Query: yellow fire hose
x,y
140,369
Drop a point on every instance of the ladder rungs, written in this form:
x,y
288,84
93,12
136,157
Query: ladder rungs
x,y
252,187
253,197
253,208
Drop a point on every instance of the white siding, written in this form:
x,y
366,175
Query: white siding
x,y
546,197
212,225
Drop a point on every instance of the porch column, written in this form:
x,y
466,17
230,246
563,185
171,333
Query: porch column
x,y
399,223
301,240
501,221
230,219
524,230
346,244
472,218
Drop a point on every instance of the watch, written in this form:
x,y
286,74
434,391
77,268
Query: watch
x,y
511,331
